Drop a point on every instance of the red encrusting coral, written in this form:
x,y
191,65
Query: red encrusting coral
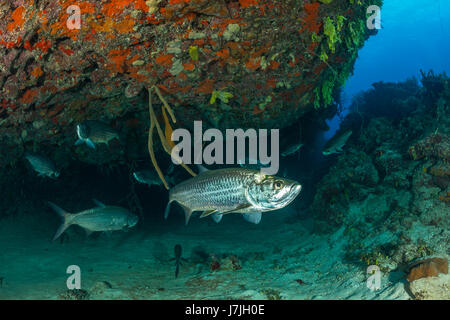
x,y
189,48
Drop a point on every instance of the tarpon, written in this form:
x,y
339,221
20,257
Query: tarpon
x,y
233,190
100,218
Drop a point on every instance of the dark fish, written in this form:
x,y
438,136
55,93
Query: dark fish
x,y
178,258
233,190
148,177
42,165
93,132
100,218
291,149
335,144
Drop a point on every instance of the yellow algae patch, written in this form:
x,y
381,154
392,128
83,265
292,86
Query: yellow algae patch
x,y
152,5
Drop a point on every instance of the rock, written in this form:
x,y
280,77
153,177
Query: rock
x,y
387,160
100,287
435,146
59,75
75,294
428,268
230,263
435,288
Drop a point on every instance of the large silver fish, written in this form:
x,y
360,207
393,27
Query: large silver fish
x,y
93,132
101,218
233,190
335,144
42,165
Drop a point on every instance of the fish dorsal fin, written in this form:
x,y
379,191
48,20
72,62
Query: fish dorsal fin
x,y
201,168
207,213
98,203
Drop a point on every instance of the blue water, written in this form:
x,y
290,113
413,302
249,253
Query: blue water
x,y
415,35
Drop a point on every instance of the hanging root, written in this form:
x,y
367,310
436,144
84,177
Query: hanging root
x,y
163,136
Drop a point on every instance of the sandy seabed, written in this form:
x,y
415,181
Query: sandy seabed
x,y
275,260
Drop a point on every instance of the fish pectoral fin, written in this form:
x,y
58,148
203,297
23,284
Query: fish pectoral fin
x,y
252,217
90,144
98,203
78,142
240,207
207,213
88,232
217,217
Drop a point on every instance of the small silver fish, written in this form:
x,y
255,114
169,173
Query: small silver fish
x,y
147,177
94,132
42,165
292,149
100,218
233,190
335,144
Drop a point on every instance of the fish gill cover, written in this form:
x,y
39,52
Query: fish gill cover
x,y
246,63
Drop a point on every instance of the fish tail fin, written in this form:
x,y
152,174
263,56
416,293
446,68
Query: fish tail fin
x,y
187,213
64,215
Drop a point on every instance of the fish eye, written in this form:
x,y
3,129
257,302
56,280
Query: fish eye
x,y
278,185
